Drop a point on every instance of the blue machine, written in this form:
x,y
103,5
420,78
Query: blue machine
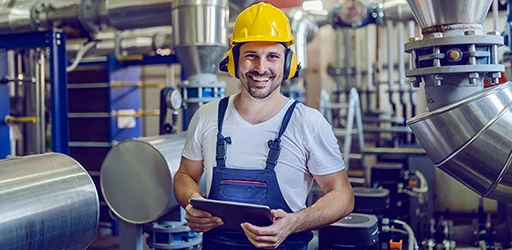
x,y
55,42
4,110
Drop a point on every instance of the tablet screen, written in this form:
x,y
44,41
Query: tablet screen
x,y
234,213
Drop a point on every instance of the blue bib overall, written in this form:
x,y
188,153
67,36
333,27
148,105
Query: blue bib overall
x,y
249,186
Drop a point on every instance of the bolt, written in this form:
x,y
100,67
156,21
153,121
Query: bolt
x,y
496,75
454,55
414,39
473,77
415,82
437,34
469,32
437,79
493,33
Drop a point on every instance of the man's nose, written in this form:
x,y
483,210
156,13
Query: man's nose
x,y
261,65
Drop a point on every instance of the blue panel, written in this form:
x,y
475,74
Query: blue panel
x,y
4,110
59,92
25,40
124,98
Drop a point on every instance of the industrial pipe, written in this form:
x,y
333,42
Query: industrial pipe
x,y
48,202
137,177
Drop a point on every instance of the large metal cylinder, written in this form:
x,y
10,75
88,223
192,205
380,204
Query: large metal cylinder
x,y
134,14
304,29
200,34
47,202
471,140
137,177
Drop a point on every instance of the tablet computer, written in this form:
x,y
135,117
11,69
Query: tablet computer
x,y
235,213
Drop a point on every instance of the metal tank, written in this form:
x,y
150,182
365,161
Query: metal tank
x,y
137,177
200,43
467,129
47,202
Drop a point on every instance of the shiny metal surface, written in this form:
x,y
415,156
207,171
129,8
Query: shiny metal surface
x,y
471,140
47,202
16,17
137,177
200,34
397,10
430,13
304,29
135,14
56,13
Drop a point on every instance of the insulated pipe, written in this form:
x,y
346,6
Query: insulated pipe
x,y
48,202
391,79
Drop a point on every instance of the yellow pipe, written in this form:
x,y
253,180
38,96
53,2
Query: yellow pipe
x,y
20,119
130,58
141,113
117,84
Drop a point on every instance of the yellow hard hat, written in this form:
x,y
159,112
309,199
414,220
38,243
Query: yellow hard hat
x,y
262,22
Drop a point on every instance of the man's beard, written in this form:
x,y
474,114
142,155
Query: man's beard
x,y
260,93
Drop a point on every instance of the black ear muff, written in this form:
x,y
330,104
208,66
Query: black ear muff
x,y
223,65
291,65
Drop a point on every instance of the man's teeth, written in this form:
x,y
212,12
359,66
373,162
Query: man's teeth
x,y
260,79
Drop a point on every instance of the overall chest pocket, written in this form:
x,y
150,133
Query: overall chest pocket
x,y
254,192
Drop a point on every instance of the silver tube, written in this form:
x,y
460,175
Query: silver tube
x,y
135,14
358,58
31,140
401,56
128,167
16,16
412,33
369,60
47,202
304,29
338,57
495,13
348,58
389,29
40,101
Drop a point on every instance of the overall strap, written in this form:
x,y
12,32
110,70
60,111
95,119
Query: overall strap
x,y
275,145
221,140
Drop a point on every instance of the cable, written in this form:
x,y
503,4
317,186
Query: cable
x,y
80,54
423,183
413,245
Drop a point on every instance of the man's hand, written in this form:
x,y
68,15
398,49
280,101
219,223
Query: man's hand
x,y
200,221
272,236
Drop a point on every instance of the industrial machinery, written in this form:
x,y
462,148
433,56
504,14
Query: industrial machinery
x,y
48,202
132,170
465,132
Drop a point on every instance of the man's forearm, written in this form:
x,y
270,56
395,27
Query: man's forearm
x,y
328,209
185,188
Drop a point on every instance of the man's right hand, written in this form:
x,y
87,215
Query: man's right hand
x,y
200,221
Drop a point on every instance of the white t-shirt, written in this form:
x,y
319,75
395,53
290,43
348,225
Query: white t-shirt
x,y
308,146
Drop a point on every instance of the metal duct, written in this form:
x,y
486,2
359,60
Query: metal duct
x,y
304,29
16,17
48,202
137,177
471,140
135,14
467,131
200,39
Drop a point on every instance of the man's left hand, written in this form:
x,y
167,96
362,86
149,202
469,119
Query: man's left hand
x,y
272,236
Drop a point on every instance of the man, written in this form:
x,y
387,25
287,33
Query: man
x,y
260,147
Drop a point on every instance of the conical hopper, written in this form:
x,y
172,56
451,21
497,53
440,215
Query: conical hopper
x,y
430,13
200,34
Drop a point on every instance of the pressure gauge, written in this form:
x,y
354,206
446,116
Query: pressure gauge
x,y
174,99
352,12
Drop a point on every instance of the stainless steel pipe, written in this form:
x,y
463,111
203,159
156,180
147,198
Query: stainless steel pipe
x,y
46,202
137,177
